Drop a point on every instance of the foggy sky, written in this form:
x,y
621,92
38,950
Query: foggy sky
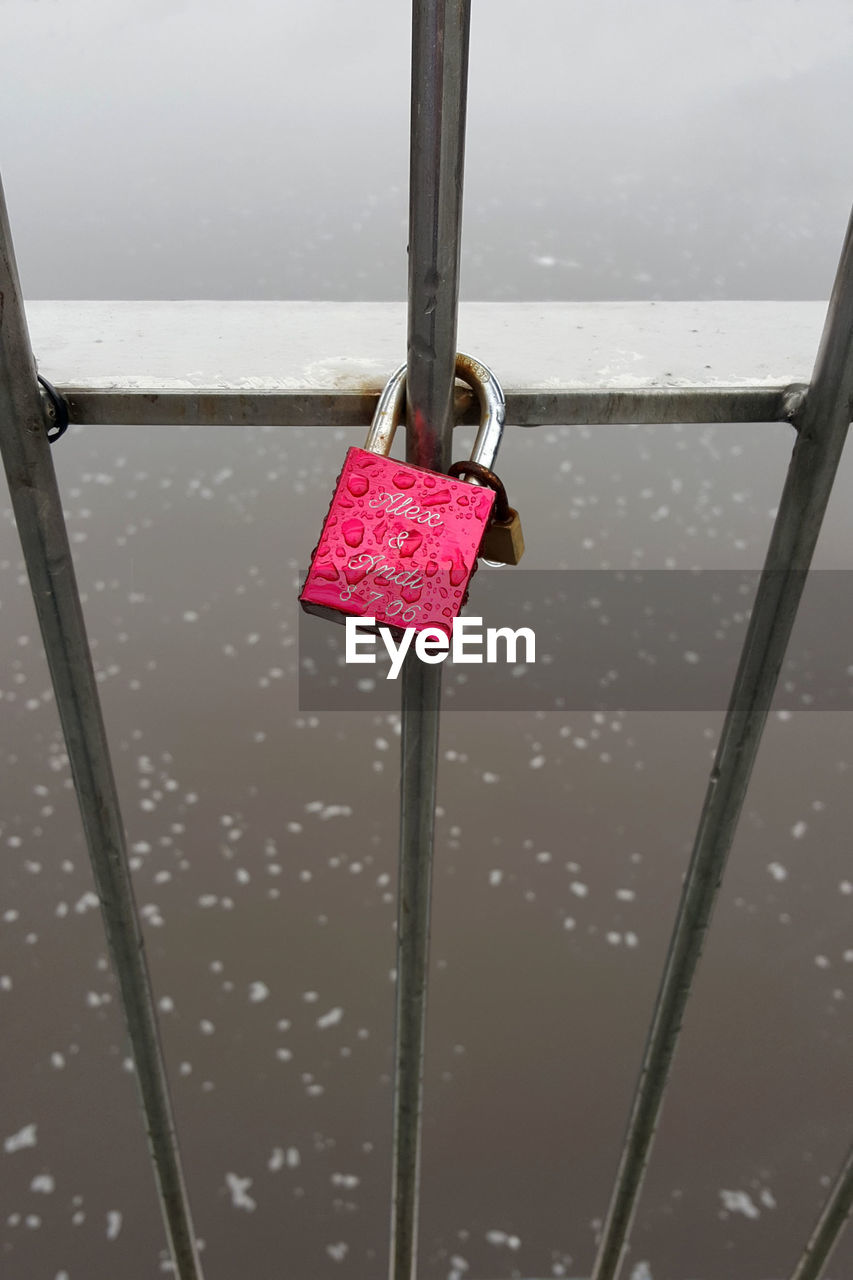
x,y
615,149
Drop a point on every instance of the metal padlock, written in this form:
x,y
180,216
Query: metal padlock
x,y
503,541
400,542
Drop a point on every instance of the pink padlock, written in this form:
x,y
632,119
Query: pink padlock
x,y
400,542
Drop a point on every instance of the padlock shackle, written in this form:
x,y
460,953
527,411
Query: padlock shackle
x,y
387,414
488,390
481,380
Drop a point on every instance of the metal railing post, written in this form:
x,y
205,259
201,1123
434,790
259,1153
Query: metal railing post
x,y
440,31
44,539
822,429
829,1225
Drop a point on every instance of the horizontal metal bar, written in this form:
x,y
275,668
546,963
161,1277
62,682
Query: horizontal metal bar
x,y
823,424
829,1225
300,363
531,408
44,540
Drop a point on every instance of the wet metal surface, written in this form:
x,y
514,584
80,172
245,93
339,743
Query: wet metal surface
x,y
26,447
439,100
822,432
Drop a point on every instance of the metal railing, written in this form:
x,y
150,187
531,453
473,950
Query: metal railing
x,y
821,420
44,539
820,413
440,54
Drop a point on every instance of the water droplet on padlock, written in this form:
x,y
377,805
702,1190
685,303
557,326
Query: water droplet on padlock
x,y
435,499
404,479
410,541
358,484
353,531
326,570
458,568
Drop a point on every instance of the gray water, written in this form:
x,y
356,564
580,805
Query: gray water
x,y
614,151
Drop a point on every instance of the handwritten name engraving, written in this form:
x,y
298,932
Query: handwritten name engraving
x,y
387,570
400,504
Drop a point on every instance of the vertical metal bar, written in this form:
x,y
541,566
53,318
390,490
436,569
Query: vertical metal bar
x,y
418,768
829,1225
439,91
440,30
44,539
822,423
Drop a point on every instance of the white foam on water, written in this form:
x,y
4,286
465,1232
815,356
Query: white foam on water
x,y
239,1188
26,1137
331,1019
503,1239
740,1202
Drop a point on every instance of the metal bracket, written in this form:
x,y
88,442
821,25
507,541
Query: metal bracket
x,y
56,410
794,403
